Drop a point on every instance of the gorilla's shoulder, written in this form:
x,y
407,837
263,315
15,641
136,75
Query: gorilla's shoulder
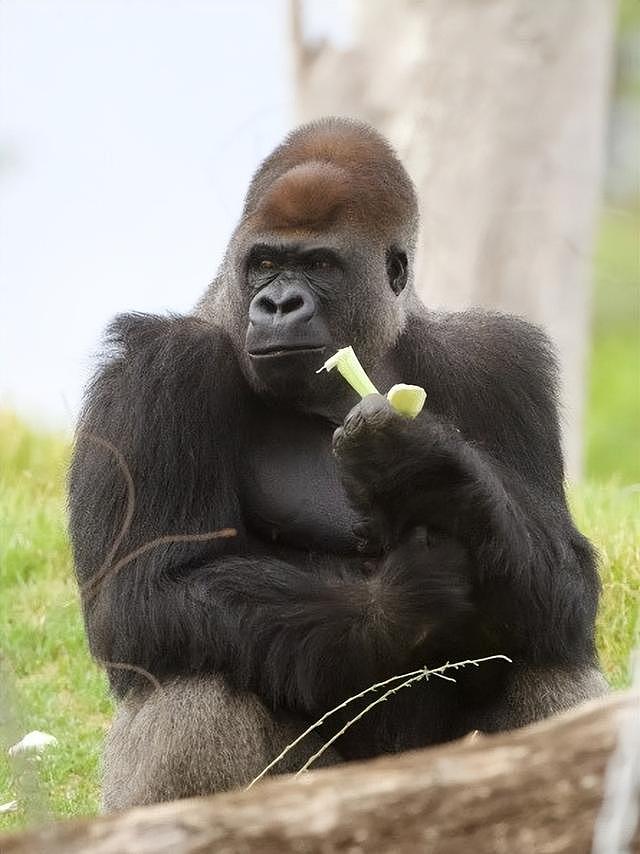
x,y
499,337
479,363
484,343
137,333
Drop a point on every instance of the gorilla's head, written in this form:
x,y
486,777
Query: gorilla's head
x,y
322,258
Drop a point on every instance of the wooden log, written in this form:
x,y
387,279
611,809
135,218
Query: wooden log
x,y
538,789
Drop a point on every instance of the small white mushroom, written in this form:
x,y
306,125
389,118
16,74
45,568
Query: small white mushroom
x,y
33,742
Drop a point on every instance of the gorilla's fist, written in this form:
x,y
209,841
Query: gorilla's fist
x,y
394,468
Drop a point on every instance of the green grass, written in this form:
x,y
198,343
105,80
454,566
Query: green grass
x,y
612,429
609,515
56,687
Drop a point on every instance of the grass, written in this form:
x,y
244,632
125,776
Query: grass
x,y
613,398
609,515
46,662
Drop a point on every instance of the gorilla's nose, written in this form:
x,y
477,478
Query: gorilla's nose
x,y
284,305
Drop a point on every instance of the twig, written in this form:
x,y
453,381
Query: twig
x,y
412,676
361,714
128,516
108,567
123,665
145,547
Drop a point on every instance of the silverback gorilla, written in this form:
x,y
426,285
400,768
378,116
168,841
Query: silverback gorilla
x,y
367,544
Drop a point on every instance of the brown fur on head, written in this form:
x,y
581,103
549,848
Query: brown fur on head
x,y
312,196
330,173
335,183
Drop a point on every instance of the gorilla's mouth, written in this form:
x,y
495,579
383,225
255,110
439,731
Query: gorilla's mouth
x,y
276,350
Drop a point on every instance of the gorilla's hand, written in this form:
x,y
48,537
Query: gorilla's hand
x,y
401,472
440,570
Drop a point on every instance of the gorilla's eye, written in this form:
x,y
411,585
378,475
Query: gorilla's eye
x,y
320,263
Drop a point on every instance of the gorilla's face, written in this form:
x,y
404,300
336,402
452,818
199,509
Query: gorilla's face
x,y
319,261
306,299
286,318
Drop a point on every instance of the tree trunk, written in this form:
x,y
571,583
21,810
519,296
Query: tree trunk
x,y
538,789
498,110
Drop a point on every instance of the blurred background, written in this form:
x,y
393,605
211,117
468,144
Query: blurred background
x,y
129,130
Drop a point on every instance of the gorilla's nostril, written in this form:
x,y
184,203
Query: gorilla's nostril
x,y
292,304
268,305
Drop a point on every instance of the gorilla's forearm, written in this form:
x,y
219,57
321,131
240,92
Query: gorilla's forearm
x,y
532,568
301,639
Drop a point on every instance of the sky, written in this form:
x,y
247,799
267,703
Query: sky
x,y
129,130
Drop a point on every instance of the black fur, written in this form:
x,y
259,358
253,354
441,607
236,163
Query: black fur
x,y
462,543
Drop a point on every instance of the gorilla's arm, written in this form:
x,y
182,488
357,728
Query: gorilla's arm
x,y
483,464
300,640
173,404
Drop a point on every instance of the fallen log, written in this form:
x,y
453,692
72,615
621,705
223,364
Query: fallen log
x,y
538,789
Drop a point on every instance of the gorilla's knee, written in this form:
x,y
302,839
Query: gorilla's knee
x,y
532,694
195,737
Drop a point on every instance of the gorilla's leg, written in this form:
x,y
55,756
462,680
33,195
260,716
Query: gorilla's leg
x,y
196,736
533,693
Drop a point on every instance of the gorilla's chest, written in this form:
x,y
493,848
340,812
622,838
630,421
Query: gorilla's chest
x,y
292,491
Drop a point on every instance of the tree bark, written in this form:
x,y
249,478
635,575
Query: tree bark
x,y
498,109
538,789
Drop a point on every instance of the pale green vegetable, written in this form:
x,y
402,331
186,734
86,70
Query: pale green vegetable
x,y
406,399
347,363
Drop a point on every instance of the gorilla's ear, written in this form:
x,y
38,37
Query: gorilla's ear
x,y
397,269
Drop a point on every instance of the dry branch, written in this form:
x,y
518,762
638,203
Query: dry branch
x,y
535,790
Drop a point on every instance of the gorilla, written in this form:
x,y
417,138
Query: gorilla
x,y
366,544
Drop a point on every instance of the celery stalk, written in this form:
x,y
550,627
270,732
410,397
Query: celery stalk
x,y
347,363
406,399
